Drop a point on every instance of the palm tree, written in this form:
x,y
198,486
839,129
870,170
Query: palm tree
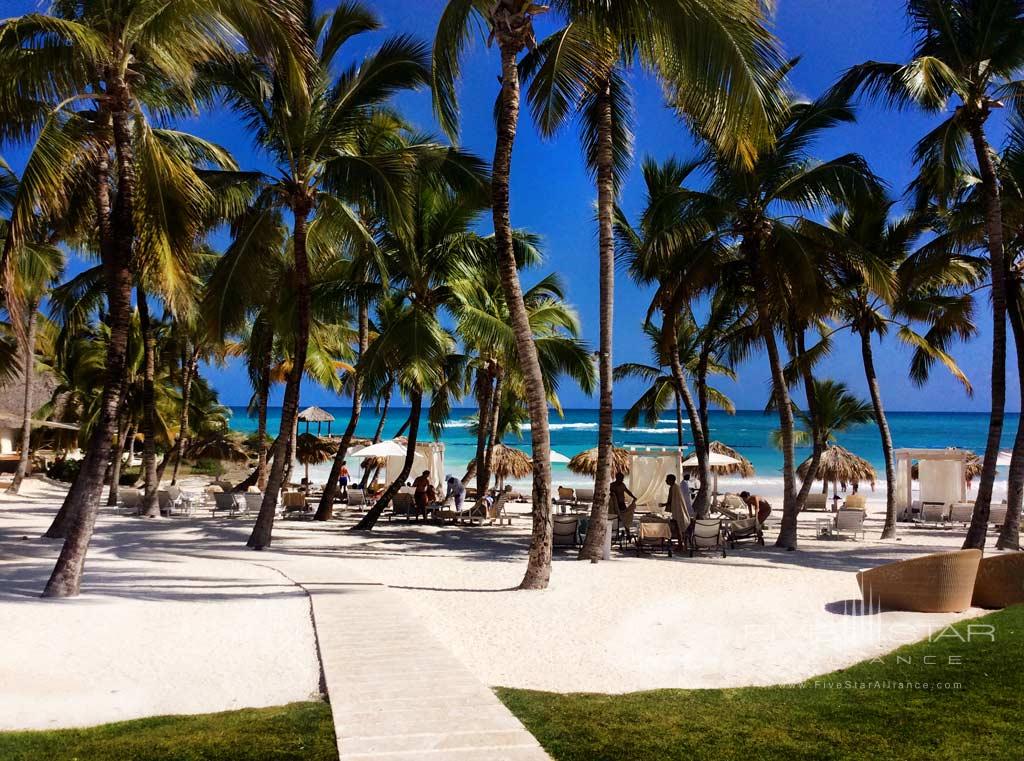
x,y
661,394
775,261
838,410
107,61
906,285
309,123
581,71
966,51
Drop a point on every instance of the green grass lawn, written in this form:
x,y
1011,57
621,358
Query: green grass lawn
x,y
295,732
982,719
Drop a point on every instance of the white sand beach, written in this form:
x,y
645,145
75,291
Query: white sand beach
x,y
177,616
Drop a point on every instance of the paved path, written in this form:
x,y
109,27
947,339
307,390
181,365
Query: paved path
x,y
395,691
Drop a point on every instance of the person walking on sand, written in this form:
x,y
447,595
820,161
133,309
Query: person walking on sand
x,y
343,481
456,492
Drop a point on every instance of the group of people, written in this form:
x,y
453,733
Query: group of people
x,y
679,500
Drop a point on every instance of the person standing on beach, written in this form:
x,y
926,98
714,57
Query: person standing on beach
x,y
677,506
619,490
456,491
420,495
343,481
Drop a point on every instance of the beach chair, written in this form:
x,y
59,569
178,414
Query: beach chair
x,y
855,502
707,534
622,524
997,514
849,522
934,512
744,530
566,497
163,499
496,512
584,498
130,501
225,501
253,502
294,503
356,498
816,501
654,532
939,583
731,506
565,531
403,504
961,512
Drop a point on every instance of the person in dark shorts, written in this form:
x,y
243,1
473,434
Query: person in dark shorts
x,y
343,481
420,495
756,505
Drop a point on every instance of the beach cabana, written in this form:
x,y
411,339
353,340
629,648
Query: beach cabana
x,y
318,416
648,467
943,478
839,466
390,455
719,463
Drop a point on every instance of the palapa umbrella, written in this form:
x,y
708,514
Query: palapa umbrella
x,y
724,461
313,450
507,462
585,463
839,465
220,444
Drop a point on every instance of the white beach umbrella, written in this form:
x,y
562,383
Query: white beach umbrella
x,y
389,448
715,460
558,457
1004,458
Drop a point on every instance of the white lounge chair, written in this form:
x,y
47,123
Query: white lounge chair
x,y
849,522
356,498
961,512
707,534
997,514
565,530
253,502
934,512
131,501
816,501
225,501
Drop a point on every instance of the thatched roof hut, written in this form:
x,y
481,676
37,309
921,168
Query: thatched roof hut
x,y
508,462
839,465
585,463
743,467
318,416
313,450
221,444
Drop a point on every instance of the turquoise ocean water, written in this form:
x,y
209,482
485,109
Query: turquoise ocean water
x,y
747,431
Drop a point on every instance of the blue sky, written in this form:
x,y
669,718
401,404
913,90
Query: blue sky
x,y
553,195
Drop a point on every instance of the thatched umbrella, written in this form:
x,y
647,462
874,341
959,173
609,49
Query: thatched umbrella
x,y
839,465
313,450
743,467
507,462
219,444
585,463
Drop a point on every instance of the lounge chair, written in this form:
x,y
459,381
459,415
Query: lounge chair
x,y
622,524
167,504
997,514
584,498
495,512
294,502
707,534
744,530
934,512
225,501
356,498
565,530
1000,581
816,501
403,505
131,501
855,502
961,512
849,522
253,502
939,583
654,532
732,507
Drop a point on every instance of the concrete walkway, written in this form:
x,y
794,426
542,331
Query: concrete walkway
x,y
395,691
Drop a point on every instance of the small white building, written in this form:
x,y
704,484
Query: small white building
x,y
941,477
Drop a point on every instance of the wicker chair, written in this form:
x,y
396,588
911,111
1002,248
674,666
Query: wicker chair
x,y
1000,581
939,583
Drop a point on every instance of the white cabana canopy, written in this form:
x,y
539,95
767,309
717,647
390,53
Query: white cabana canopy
x,y
940,474
715,460
648,467
429,456
389,448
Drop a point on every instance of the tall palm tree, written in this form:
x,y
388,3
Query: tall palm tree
x,y
969,52
775,261
309,124
911,284
106,60
582,71
838,411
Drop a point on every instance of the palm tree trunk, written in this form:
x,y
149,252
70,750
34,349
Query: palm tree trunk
x,y
28,361
150,506
492,434
187,374
261,532
702,394
369,520
262,402
593,545
680,442
889,529
538,569
671,348
814,413
66,579
326,507
1009,534
124,431
994,227
484,392
365,479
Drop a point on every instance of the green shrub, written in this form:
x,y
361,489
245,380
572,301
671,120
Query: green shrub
x,y
64,470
